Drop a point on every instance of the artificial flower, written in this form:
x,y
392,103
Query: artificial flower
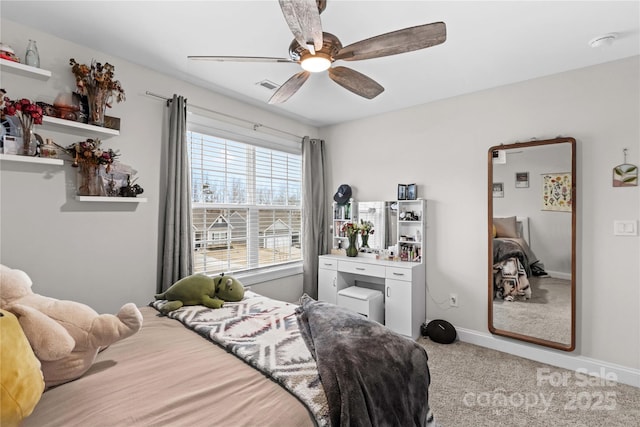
x,y
366,227
27,112
97,77
350,228
89,151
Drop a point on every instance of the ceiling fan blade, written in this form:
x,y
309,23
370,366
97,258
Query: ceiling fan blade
x,y
356,82
395,42
239,58
303,18
289,87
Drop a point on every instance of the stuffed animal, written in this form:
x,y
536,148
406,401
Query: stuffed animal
x,y
21,381
200,289
64,335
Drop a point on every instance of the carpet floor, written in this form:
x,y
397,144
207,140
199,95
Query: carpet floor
x,y
546,315
476,386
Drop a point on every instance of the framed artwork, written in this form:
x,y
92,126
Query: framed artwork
x,y
556,192
522,179
412,192
499,157
402,192
498,189
625,175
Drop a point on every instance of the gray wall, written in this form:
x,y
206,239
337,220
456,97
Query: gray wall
x,y
101,254
442,146
107,255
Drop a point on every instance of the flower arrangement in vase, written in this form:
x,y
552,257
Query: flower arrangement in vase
x,y
98,84
28,114
351,230
366,228
88,157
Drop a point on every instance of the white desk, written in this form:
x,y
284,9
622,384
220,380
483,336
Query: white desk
x,y
402,284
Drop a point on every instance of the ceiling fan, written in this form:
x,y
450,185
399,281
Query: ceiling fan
x,y
316,50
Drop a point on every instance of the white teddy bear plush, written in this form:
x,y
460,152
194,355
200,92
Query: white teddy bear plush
x,y
65,335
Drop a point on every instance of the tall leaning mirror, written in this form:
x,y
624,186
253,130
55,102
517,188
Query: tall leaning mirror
x,y
531,240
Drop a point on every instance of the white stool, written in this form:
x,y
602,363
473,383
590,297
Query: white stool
x,y
368,302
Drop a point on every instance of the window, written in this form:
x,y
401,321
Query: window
x,y
246,204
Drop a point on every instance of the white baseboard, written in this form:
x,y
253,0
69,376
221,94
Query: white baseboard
x,y
559,275
621,374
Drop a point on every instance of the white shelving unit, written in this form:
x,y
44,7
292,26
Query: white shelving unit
x,y
342,214
55,124
411,230
29,159
76,128
24,70
105,199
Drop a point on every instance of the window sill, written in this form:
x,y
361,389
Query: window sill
x,y
255,278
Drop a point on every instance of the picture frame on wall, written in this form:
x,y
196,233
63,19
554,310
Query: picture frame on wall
x,y
498,189
625,175
522,179
412,192
402,192
557,192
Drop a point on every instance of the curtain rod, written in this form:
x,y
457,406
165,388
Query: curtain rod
x,y
256,126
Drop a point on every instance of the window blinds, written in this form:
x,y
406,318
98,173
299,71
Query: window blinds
x,y
246,204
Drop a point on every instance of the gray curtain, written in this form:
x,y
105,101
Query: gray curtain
x,y
314,217
177,257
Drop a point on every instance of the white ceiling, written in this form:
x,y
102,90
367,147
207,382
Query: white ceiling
x,y
488,44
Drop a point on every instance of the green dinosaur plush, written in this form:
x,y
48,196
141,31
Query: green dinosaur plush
x,y
198,289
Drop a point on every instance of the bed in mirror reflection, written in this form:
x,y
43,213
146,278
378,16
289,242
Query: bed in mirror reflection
x,y
531,241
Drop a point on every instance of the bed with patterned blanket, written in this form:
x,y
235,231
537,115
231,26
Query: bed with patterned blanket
x,y
246,364
506,248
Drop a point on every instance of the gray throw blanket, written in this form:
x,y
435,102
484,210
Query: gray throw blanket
x,y
505,248
371,375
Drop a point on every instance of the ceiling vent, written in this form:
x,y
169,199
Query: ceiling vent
x,y
268,84
604,40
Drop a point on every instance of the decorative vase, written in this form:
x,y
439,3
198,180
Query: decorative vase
x,y
89,180
97,99
365,240
352,250
28,147
32,57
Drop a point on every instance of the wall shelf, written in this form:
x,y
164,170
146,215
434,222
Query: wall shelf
x,y
30,159
77,128
24,70
55,124
111,199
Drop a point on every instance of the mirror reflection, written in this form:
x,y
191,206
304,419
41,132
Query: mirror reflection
x,y
532,242
383,217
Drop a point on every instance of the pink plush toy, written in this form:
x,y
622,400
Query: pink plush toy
x,y
65,335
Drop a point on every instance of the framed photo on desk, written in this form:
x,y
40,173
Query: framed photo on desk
x,y
402,192
412,192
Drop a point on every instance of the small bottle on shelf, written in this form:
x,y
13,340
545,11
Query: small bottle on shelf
x,y
32,57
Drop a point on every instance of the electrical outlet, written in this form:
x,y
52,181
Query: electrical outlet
x,y
453,300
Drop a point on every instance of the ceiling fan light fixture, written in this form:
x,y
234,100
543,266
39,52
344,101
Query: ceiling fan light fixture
x,y
316,63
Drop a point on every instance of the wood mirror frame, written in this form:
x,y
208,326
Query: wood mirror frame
x,y
500,310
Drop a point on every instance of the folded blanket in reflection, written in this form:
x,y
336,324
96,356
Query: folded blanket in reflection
x,y
506,248
371,375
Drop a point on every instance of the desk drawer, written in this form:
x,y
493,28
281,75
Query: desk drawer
x,y
327,263
399,273
361,268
